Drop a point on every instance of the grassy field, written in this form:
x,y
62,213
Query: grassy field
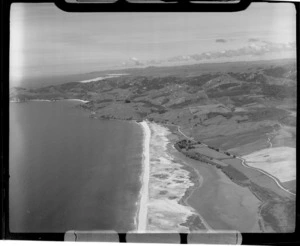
x,y
280,162
290,185
210,152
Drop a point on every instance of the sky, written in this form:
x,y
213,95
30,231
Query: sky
x,y
46,41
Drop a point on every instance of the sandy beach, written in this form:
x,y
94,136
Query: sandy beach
x,y
180,194
45,100
141,219
170,185
78,100
33,100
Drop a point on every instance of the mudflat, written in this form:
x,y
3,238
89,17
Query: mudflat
x,y
275,205
223,204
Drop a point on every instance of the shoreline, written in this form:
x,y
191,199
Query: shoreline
x,y
196,220
171,183
141,218
190,222
46,100
142,214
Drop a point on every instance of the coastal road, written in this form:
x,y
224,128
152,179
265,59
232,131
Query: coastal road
x,y
178,128
244,163
269,141
257,169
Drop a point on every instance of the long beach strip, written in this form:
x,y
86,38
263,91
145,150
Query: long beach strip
x,y
144,193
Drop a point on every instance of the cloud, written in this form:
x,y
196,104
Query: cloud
x,y
136,61
254,48
221,40
252,40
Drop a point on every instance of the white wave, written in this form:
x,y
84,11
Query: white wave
x,y
78,100
144,193
112,75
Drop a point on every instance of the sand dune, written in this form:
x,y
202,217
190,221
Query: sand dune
x,y
168,184
279,162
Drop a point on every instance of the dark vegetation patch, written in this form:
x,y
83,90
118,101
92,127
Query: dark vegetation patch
x,y
185,144
185,147
244,89
234,174
215,114
249,77
166,100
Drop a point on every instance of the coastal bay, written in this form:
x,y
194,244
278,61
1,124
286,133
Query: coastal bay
x,y
157,123
88,167
194,171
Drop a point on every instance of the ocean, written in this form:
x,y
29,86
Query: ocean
x,y
71,172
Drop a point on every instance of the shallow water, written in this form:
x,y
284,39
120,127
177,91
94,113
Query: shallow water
x,y
223,204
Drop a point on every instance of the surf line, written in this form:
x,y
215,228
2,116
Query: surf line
x,y
144,193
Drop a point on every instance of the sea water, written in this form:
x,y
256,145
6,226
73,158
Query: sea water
x,y
71,172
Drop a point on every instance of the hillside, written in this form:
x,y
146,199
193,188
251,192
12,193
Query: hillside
x,y
239,111
232,106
